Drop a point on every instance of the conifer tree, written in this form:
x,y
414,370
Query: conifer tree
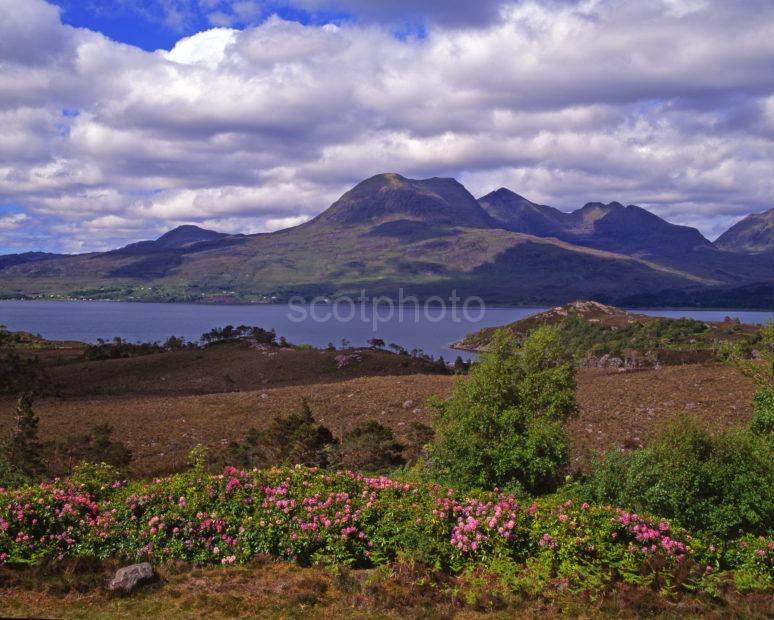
x,y
23,447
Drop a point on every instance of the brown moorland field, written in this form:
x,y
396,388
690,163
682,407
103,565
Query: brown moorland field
x,y
269,589
162,405
227,367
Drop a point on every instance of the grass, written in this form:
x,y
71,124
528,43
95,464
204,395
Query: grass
x,y
281,590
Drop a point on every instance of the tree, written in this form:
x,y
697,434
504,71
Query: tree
x,y
376,343
173,343
504,424
760,368
23,447
461,366
370,446
397,349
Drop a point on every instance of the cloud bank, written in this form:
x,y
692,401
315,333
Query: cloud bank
x,y
667,104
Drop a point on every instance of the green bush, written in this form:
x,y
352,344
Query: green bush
x,y
763,411
370,447
95,478
95,446
295,439
503,425
721,484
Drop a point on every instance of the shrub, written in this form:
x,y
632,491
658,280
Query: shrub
x,y
19,375
120,348
95,478
298,439
503,425
247,453
371,447
292,440
721,484
318,517
197,459
418,436
759,366
95,446
763,411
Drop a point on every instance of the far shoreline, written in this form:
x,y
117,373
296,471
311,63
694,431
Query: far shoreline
x,y
488,306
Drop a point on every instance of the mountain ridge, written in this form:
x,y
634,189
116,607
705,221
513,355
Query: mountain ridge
x,y
389,232
613,226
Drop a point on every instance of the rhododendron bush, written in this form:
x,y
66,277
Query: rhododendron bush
x,y
314,517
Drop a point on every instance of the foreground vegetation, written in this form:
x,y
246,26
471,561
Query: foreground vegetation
x,y
480,507
310,516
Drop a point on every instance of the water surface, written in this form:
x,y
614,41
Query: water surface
x,y
432,331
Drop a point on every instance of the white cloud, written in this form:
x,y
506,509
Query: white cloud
x,y
13,221
668,105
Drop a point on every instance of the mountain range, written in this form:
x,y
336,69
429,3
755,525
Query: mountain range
x,y
427,237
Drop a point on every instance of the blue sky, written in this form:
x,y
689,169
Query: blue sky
x,y
122,119
155,24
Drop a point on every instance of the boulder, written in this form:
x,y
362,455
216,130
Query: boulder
x,y
128,578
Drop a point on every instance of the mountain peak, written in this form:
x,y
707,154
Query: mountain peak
x,y
185,234
601,206
504,192
174,239
753,234
390,196
516,213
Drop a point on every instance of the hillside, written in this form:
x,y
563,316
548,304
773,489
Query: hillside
x,y
603,336
428,237
9,260
755,233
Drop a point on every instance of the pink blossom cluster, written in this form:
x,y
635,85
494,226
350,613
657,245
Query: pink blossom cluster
x,y
52,517
477,522
650,538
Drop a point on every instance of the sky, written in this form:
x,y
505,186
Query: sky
x,y
121,119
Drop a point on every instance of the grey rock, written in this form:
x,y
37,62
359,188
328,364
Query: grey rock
x,y
128,578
